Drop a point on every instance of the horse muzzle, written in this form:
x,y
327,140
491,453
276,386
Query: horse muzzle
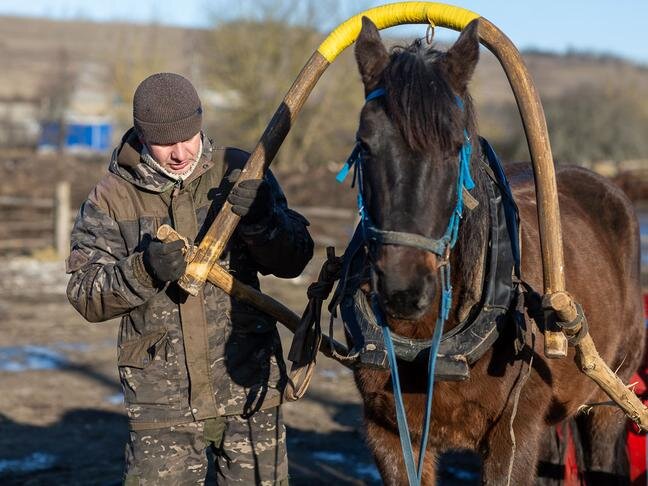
x,y
407,281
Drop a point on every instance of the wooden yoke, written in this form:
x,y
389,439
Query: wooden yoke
x,y
531,112
385,16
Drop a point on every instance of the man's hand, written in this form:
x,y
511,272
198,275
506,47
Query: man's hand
x,y
165,261
252,201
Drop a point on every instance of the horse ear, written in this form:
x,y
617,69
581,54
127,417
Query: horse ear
x,y
370,53
462,58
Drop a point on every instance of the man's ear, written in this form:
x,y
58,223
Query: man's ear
x,y
462,57
371,55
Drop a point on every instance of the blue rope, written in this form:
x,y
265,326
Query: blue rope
x,y
432,358
401,418
464,181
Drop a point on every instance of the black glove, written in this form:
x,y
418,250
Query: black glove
x,y
252,200
164,261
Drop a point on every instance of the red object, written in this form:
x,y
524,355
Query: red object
x,y
636,441
571,477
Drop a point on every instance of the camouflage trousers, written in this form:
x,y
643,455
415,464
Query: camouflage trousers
x,y
245,451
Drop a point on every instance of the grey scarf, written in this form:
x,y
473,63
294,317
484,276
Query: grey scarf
x,y
151,162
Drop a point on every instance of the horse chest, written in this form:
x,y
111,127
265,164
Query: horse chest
x,y
462,412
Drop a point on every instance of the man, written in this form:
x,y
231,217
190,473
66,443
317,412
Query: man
x,y
197,372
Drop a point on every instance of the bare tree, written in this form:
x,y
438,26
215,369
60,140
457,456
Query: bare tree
x,y
256,56
137,54
587,124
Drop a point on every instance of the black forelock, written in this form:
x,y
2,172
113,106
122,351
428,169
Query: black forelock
x,y
419,99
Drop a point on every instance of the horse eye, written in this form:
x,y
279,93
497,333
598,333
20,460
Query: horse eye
x,y
364,148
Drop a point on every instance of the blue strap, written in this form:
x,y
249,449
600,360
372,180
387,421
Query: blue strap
x,y
434,351
353,158
376,93
401,418
414,475
460,102
355,154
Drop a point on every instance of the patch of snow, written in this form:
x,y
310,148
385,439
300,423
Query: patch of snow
x,y
29,276
37,461
80,347
368,471
116,399
30,357
334,457
333,373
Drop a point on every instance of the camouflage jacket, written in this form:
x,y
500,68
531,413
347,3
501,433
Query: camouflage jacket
x,y
182,358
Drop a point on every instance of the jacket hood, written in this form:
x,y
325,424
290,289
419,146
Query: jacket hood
x,y
127,163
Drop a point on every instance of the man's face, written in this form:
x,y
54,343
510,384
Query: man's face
x,y
176,157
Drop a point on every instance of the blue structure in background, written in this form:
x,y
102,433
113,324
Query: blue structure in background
x,y
79,136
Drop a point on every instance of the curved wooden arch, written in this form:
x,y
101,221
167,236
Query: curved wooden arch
x,y
533,119
337,41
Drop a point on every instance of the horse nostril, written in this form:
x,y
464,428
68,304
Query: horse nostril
x,y
404,301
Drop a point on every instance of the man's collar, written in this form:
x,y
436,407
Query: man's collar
x,y
127,162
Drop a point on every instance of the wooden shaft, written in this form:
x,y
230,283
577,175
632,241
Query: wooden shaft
x,y
562,304
593,366
222,279
535,127
221,230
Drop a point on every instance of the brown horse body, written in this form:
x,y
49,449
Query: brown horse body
x,y
601,247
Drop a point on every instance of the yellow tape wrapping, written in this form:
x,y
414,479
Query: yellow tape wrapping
x,y
393,14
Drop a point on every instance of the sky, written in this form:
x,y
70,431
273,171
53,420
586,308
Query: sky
x,y
601,26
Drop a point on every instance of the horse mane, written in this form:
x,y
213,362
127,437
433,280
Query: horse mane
x,y
420,100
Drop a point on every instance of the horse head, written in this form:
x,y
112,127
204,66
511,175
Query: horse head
x,y
410,137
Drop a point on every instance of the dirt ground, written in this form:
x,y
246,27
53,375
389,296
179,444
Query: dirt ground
x,y
61,414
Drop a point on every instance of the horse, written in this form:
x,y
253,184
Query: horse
x,y
409,137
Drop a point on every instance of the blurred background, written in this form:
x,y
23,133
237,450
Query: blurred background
x,y
69,69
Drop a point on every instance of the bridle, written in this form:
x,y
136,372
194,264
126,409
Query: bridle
x,y
374,236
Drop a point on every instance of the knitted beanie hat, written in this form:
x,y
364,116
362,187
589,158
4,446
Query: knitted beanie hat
x,y
166,109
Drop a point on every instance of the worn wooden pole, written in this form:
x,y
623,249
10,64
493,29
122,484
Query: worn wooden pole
x,y
535,127
221,230
62,219
222,279
592,364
